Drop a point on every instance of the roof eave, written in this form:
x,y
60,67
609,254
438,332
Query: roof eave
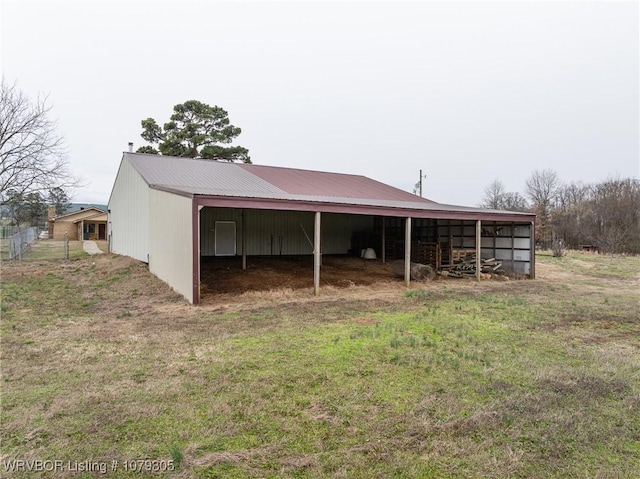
x,y
328,207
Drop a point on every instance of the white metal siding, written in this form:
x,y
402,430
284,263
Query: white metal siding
x,y
129,214
170,245
271,232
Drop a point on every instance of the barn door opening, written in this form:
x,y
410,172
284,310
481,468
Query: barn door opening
x,y
225,238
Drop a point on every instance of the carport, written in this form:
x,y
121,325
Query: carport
x,y
171,212
237,227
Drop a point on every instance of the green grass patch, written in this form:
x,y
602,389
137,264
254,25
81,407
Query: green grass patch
x,y
595,265
454,379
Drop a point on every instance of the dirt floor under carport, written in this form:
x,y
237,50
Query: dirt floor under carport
x,y
221,275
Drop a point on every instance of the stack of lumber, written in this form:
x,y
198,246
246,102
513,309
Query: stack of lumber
x,y
465,266
426,253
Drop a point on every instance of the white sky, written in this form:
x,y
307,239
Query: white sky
x,y
468,92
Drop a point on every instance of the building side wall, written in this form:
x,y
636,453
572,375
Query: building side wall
x,y
128,226
170,245
274,232
62,227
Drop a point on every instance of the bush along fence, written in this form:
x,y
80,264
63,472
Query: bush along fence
x,y
19,242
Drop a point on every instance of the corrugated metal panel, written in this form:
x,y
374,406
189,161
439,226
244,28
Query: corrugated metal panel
x,y
129,214
278,232
170,246
190,176
212,178
271,232
322,184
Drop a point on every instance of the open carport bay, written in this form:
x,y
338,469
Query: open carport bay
x,y
224,275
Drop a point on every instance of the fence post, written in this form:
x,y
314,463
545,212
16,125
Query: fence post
x,y
66,246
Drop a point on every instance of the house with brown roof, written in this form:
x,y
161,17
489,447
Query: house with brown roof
x,y
173,213
85,224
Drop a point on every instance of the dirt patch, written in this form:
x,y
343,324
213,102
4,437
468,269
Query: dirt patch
x,y
221,276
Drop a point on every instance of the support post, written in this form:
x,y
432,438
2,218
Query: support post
x,y
244,240
478,248
384,246
317,258
532,254
407,252
195,250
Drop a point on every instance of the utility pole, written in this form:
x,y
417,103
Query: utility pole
x,y
418,187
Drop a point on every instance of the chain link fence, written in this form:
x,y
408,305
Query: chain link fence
x,y
8,231
20,242
49,249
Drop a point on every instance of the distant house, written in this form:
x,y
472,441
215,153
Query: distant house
x,y
173,212
87,223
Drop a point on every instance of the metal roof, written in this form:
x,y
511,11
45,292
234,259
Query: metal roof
x,y
214,179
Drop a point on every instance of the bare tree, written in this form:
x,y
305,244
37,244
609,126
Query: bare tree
x,y
568,217
605,215
514,201
32,156
542,189
613,218
494,195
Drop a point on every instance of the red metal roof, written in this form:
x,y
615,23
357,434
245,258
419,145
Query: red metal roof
x,y
234,185
320,183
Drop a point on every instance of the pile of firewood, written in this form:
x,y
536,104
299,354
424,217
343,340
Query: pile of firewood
x,y
466,267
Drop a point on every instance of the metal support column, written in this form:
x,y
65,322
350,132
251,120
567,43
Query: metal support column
x,y
244,240
478,248
384,246
407,252
317,258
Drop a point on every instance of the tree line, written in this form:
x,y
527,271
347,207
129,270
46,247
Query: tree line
x,y
604,215
32,208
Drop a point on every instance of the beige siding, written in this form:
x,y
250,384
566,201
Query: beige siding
x,y
129,214
170,245
61,227
271,232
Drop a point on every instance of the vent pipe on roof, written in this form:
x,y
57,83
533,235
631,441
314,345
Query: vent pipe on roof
x,y
131,147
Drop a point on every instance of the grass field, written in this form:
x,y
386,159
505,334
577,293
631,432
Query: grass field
x,y
103,365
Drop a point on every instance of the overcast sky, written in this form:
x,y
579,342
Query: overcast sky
x,y
467,92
